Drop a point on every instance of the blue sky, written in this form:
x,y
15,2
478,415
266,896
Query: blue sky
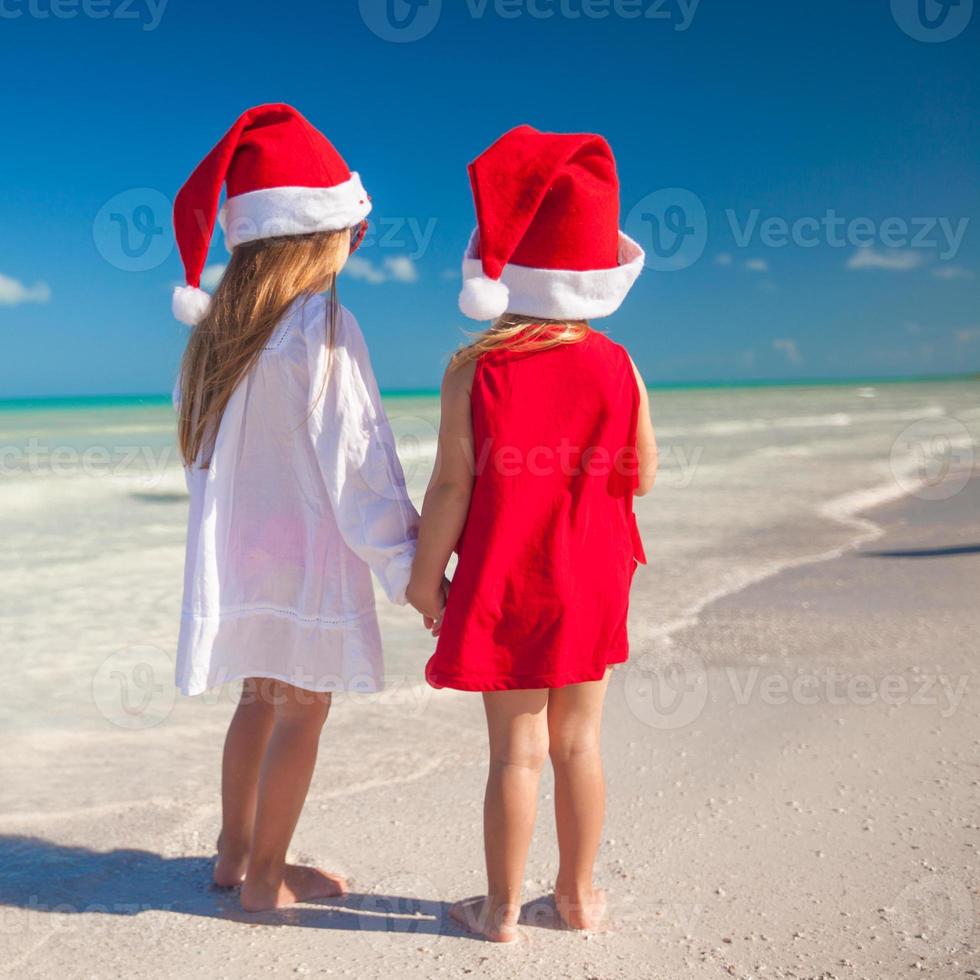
x,y
821,126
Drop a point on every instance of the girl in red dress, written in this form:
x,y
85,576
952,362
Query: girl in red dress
x,y
545,438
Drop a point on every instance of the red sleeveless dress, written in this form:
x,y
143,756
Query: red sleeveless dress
x,y
541,592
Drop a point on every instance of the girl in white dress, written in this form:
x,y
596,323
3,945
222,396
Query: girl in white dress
x,y
296,493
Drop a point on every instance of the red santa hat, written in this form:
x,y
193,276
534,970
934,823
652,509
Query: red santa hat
x,y
547,241
283,177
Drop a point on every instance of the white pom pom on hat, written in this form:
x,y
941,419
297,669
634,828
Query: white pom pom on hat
x,y
190,304
482,298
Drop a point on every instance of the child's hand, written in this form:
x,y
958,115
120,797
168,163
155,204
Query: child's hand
x,y
430,603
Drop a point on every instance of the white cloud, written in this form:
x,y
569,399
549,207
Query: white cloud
x,y
952,272
968,335
757,265
724,259
364,269
13,292
397,268
892,259
913,329
212,274
788,347
402,268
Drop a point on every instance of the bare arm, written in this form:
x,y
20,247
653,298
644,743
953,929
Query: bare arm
x,y
646,440
447,500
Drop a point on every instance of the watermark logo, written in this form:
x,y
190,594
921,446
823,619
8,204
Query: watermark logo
x,y
932,459
666,690
401,21
132,230
932,21
393,461
147,13
933,916
134,687
396,907
672,226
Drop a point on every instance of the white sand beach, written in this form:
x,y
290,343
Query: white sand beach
x,y
791,751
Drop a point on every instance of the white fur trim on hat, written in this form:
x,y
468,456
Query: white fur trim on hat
x,y
281,211
189,304
555,294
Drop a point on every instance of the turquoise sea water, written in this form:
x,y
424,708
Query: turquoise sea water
x,y
93,510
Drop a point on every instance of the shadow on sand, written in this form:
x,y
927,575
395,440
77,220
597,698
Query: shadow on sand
x,y
45,876
961,549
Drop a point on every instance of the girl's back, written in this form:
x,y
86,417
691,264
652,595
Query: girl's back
x,y
548,551
302,492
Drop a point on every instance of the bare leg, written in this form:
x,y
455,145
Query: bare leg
x,y
284,781
574,726
518,728
245,743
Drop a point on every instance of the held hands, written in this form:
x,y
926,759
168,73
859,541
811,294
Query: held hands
x,y
431,603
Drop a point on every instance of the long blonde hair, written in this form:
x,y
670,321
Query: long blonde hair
x,y
513,331
262,279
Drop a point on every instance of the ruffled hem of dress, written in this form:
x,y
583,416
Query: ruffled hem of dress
x,y
194,690
439,680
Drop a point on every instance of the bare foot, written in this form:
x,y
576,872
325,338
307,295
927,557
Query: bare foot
x,y
579,911
298,884
229,865
485,918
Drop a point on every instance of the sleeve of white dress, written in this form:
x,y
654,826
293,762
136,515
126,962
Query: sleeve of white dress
x,y
355,448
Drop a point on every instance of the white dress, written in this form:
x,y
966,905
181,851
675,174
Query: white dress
x,y
303,497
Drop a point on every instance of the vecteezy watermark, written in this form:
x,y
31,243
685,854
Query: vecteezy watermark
x,y
147,13
943,235
672,226
678,13
404,693
401,904
94,918
933,458
933,916
411,235
832,687
678,464
932,21
402,21
666,689
133,688
132,230
39,459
